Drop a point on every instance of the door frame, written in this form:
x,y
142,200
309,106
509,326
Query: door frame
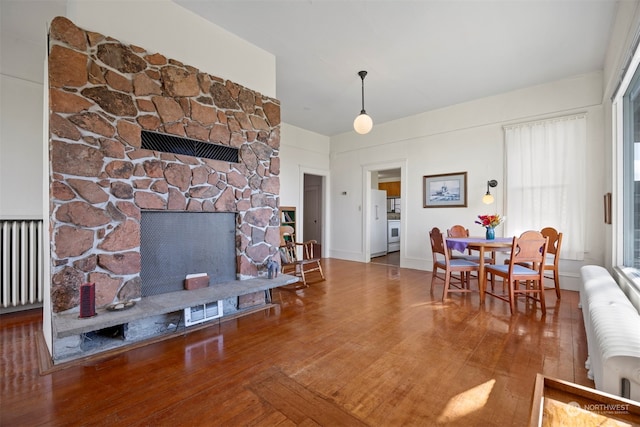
x,y
324,214
367,171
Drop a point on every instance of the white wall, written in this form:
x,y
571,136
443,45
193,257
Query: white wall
x,y
20,138
300,149
167,28
303,151
21,100
462,138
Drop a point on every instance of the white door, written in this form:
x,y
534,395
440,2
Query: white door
x,y
378,222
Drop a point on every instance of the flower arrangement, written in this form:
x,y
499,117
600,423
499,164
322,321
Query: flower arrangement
x,y
490,221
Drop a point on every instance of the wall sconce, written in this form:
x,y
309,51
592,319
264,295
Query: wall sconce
x,y
363,123
487,199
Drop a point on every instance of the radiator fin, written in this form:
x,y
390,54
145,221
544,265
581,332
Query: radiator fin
x,y
22,263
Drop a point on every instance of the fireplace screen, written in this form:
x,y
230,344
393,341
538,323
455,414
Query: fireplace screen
x,y
174,244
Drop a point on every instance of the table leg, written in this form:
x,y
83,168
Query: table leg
x,y
482,280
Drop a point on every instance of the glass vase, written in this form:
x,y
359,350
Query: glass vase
x,y
491,233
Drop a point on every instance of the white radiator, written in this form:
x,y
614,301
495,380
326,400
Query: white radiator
x,y
22,263
612,325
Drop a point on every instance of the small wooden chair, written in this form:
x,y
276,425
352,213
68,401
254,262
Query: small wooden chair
x,y
443,261
552,260
530,248
298,258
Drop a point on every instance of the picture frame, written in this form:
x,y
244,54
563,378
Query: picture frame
x,y
447,190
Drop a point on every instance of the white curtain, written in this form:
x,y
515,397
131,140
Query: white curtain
x,y
545,182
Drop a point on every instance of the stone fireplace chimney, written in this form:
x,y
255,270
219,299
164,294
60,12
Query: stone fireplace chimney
x,y
103,93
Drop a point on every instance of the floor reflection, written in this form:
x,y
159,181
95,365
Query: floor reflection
x,y
392,258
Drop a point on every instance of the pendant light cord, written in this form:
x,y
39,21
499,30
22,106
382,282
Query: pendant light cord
x,y
362,75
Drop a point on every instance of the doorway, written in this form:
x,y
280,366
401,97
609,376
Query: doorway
x,y
388,179
313,208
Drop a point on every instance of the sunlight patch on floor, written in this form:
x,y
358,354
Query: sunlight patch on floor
x,y
466,402
433,304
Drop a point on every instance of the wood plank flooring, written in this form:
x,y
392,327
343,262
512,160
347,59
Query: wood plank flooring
x,y
391,258
369,346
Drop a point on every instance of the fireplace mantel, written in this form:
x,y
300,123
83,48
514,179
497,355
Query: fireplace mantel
x,y
69,325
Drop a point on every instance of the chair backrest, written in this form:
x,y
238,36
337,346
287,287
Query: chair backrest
x,y
458,231
437,245
311,250
530,247
555,240
288,253
287,234
291,251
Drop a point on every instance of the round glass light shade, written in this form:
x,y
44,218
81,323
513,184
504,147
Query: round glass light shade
x,y
362,124
487,199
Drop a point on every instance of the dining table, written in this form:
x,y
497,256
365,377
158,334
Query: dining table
x,y
482,245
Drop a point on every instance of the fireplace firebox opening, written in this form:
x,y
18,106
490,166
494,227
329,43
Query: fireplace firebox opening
x,y
175,244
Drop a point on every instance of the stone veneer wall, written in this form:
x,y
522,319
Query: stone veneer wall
x,y
102,94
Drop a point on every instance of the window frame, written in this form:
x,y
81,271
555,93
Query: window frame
x,y
624,188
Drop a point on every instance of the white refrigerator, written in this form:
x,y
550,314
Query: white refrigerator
x,y
378,223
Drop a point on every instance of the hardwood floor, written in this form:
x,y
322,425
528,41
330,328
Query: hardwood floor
x,y
369,346
391,258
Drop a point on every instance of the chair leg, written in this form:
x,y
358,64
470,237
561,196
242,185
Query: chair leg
x,y
512,297
301,274
486,280
543,306
447,278
556,283
433,276
320,270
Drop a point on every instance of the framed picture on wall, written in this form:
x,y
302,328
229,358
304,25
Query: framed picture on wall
x,y
447,190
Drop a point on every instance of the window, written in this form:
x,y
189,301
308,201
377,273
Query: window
x,y
631,173
545,179
626,184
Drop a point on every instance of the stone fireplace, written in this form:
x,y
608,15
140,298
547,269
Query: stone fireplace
x,y
103,94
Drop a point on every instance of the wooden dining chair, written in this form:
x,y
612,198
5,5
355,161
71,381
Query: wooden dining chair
x,y
299,258
530,248
461,231
443,261
552,260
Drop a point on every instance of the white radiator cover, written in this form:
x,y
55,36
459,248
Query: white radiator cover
x,y
22,263
612,325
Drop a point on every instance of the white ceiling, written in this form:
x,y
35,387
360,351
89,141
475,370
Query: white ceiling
x,y
420,55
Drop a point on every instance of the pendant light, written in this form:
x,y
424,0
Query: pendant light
x,y
487,199
363,123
